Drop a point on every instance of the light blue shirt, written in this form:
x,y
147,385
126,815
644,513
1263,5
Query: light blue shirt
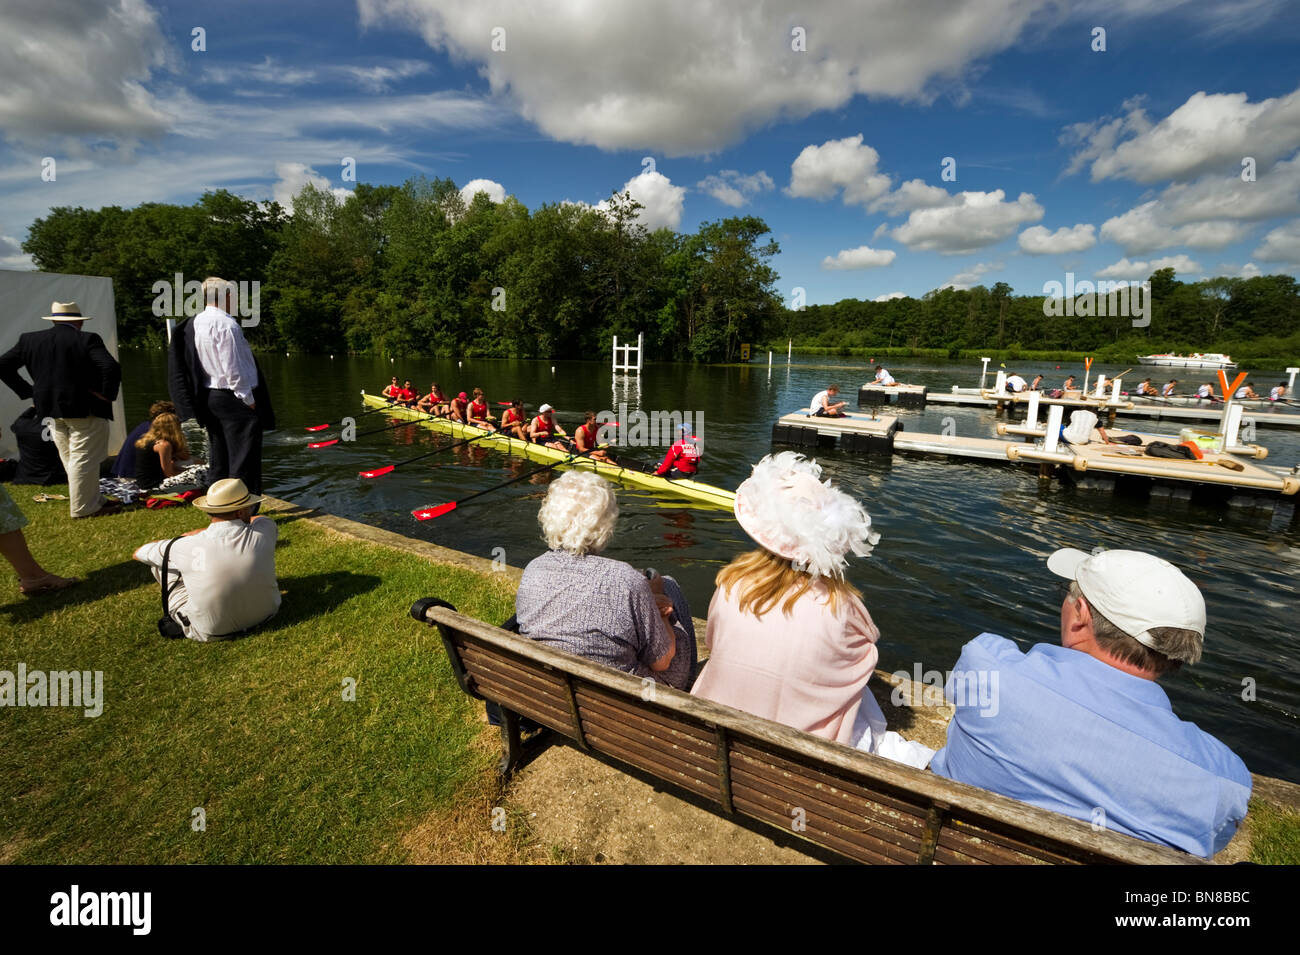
x,y
1060,729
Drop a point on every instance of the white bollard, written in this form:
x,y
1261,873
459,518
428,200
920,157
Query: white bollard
x,y
1114,390
1053,436
1000,385
1031,411
1231,424
984,370
1101,387
1290,387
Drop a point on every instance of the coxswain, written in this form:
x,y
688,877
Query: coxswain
x,y
459,407
434,402
514,422
478,413
823,405
584,439
683,458
544,429
393,391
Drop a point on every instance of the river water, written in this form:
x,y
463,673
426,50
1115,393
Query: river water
x,y
963,544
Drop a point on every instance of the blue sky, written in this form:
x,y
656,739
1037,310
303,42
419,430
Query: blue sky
x,y
1107,163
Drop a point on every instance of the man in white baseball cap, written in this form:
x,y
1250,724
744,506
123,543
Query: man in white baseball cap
x,y
1083,728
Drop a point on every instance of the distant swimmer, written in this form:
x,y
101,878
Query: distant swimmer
x,y
823,407
883,377
683,458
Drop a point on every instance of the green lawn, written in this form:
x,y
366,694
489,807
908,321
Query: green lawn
x,y
255,731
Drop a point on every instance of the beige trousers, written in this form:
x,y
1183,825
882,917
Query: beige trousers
x,y
83,446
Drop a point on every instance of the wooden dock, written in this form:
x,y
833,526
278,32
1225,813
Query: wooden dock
x,y
1223,472
1130,407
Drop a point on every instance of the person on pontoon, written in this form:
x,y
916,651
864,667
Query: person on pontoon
x,y
1168,390
883,377
1016,384
822,406
1038,380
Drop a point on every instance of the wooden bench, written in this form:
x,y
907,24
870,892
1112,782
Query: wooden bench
x,y
858,806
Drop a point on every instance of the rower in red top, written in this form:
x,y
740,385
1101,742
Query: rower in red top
x,y
407,395
584,439
514,422
434,403
683,458
459,407
393,391
544,429
478,413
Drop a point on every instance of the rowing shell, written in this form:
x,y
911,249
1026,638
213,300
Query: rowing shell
x,y
695,490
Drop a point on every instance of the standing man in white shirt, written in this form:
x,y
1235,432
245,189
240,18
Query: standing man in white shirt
x,y
215,380
221,578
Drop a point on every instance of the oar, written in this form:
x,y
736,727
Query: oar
x,y
391,427
429,513
360,414
380,472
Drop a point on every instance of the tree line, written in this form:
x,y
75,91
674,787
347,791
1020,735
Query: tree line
x,y
416,270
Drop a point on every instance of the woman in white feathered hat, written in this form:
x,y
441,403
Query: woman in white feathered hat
x,y
789,638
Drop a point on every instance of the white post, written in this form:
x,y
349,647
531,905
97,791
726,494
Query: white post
x,y
1231,424
984,370
1114,390
769,361
640,340
1000,384
789,350
1086,370
616,354
1053,436
1101,387
1031,413
1290,388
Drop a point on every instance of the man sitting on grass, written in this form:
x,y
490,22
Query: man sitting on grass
x,y
220,578
1082,728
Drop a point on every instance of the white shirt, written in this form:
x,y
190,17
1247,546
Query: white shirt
x,y
1016,383
1241,392
1204,391
883,377
1277,392
224,353
1167,390
229,572
819,398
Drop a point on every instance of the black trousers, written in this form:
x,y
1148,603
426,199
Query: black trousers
x,y
234,440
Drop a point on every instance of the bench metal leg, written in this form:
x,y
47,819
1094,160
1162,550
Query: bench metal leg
x,y
511,748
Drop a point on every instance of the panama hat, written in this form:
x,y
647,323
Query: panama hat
x,y
225,496
786,509
65,312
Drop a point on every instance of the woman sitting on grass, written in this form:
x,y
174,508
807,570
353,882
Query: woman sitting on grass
x,y
789,638
604,610
161,452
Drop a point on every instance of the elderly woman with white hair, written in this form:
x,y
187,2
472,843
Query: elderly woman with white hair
x,y
604,610
789,638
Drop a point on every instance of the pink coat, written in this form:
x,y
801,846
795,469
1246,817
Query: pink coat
x,y
807,670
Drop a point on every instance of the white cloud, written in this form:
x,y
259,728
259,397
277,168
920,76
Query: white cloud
x,y
863,257
838,165
734,188
971,276
1281,245
1038,240
889,296
495,191
1141,271
1210,131
1248,271
970,222
1275,192
78,68
1146,229
913,194
292,176
662,200
376,78
12,255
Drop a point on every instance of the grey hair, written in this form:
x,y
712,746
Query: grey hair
x,y
579,513
1175,646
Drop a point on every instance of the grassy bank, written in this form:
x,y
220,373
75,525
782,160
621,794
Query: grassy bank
x,y
256,731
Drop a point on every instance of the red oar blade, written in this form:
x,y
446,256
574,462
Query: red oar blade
x,y
323,444
377,472
317,427
429,513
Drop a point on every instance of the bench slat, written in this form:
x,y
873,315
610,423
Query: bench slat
x,y
765,809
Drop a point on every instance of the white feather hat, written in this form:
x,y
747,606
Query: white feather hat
x,y
788,510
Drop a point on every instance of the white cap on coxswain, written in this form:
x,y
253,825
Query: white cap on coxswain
x,y
544,408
